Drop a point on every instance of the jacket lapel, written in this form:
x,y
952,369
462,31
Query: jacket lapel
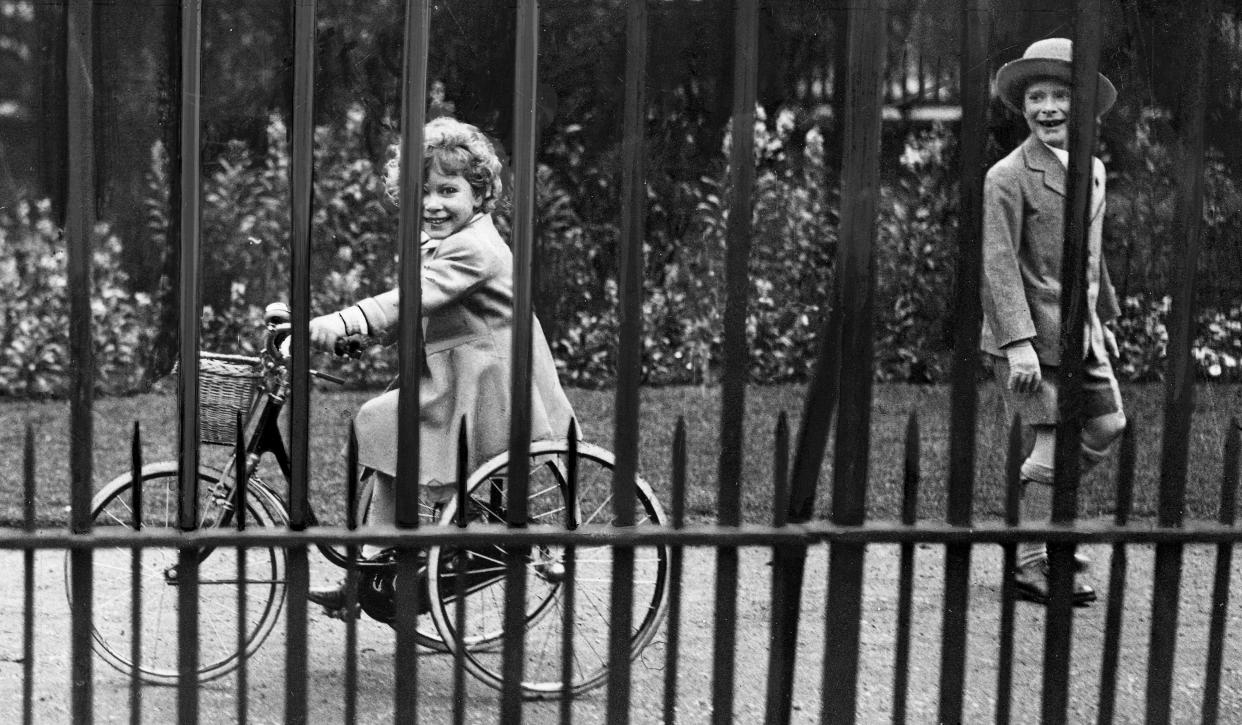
x,y
1040,158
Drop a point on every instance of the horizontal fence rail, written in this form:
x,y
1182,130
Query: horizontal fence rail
x,y
873,532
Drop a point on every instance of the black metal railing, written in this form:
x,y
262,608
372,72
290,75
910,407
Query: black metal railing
x,y
840,391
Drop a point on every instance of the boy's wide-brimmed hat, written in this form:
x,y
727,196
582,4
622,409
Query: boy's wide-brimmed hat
x,y
1047,58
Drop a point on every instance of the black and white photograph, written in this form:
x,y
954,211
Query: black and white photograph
x,y
620,361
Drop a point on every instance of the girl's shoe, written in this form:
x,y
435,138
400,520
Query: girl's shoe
x,y
334,599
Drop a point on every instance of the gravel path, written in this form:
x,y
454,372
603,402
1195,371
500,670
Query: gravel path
x,y
266,696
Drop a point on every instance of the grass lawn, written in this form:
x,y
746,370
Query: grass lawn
x,y
660,409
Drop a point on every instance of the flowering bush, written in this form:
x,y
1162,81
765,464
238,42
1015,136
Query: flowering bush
x,y
915,256
1216,349
790,281
34,310
1142,339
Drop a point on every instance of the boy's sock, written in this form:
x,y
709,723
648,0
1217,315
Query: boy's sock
x,y
1035,504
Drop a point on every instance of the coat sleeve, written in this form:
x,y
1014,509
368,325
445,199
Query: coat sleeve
x,y
1005,307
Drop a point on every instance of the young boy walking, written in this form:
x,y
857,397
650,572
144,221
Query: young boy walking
x,y
1023,238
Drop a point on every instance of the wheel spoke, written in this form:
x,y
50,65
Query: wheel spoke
x,y
127,509
549,514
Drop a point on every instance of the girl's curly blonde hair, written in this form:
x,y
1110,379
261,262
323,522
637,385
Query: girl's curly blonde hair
x,y
452,148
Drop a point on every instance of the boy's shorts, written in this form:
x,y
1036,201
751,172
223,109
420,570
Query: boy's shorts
x,y
1101,394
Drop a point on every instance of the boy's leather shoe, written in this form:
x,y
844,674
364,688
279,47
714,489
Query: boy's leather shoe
x,y
1031,583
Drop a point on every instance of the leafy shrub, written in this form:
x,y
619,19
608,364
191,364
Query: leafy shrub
x,y
1142,199
915,257
1216,350
789,273
791,266
246,236
34,310
1142,339
790,282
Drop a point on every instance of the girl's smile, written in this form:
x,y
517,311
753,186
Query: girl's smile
x,y
448,204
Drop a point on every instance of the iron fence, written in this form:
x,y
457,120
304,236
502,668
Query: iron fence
x,y
840,392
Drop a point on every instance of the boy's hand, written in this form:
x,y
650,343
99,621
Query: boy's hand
x,y
1110,342
325,330
1024,374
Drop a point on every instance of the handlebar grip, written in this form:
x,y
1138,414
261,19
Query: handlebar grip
x,y
348,347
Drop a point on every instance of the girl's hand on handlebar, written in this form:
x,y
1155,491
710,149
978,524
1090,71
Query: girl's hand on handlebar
x,y
326,331
349,346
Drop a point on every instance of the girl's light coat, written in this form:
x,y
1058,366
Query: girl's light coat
x,y
467,304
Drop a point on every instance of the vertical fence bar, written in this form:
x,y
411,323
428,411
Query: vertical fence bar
x,y
188,310
405,621
525,130
462,561
410,342
629,352
736,352
569,601
1117,580
789,562
301,180
675,555
187,634
410,224
854,295
301,177
1077,230
630,262
974,72
737,254
905,576
135,574
190,297
1004,663
780,516
1220,586
1179,382
352,518
28,577
780,471
240,479
79,226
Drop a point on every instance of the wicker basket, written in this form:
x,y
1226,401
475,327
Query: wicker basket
x,y
226,385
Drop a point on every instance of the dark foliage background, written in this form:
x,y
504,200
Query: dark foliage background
x,y
246,106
